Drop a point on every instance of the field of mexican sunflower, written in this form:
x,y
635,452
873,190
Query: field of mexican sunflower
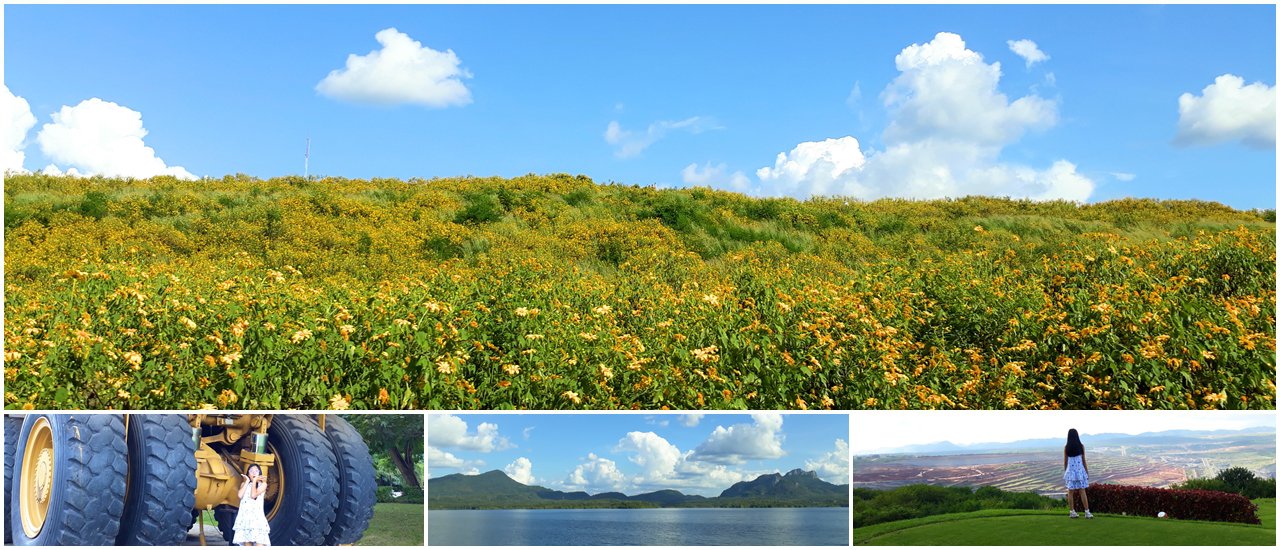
x,y
554,292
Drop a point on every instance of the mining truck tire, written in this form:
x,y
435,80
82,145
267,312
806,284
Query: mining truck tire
x,y
12,429
69,480
305,461
357,484
162,481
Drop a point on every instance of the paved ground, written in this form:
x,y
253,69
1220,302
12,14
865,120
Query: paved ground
x,y
212,536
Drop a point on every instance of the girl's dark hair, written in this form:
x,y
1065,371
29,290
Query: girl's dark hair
x,y
1074,446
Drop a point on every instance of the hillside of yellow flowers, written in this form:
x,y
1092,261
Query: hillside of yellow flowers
x,y
554,292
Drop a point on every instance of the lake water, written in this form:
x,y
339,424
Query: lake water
x,y
645,526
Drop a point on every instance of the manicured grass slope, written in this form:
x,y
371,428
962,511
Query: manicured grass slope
x,y
1041,528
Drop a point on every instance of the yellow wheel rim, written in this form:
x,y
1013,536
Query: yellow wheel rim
x,y
274,496
36,487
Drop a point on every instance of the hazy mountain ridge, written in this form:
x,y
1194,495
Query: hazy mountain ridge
x,y
494,489
1164,437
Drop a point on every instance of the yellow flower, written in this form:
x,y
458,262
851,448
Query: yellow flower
x,y
606,372
401,322
12,355
527,312
230,358
511,370
227,397
238,327
191,325
602,310
711,299
572,396
300,336
134,359
339,403
709,354
443,366
383,396
801,404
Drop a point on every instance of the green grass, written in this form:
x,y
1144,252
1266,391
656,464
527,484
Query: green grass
x,y
395,525
1031,528
1267,512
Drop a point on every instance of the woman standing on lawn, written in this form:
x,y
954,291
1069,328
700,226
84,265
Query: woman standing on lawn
x,y
1075,472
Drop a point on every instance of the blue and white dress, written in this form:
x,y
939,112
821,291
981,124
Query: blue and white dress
x,y
1075,474
251,521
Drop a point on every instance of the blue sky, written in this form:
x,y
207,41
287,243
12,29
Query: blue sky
x,y
707,95
635,453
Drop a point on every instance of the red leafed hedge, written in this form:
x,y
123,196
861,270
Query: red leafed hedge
x,y
1177,503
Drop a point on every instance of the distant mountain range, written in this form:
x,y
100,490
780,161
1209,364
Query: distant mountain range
x,y
1167,437
495,489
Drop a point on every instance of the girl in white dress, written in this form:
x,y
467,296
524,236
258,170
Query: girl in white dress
x,y
1075,472
251,524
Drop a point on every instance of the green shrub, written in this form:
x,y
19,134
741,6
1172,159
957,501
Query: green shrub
x,y
483,208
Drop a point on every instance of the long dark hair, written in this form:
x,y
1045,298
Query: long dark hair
x,y
1074,446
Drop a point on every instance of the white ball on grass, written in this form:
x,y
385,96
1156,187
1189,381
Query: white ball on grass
x,y
1160,515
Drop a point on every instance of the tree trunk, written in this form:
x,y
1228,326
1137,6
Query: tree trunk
x,y
405,467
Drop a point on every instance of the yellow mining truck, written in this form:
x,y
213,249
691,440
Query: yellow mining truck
x,y
144,479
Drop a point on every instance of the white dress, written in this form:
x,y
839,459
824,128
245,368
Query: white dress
x,y
251,521
1075,475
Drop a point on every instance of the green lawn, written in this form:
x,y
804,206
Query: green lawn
x,y
1267,512
1031,527
395,525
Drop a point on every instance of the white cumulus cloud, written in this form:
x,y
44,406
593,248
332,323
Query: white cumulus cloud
x,y
628,143
16,115
1228,110
443,461
521,469
449,431
762,439
691,420
656,457
1028,51
815,168
832,466
948,123
715,176
403,71
664,466
99,137
596,475
1123,176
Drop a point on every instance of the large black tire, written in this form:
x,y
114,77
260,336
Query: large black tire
x,y
357,484
12,430
162,481
226,517
305,459
87,493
